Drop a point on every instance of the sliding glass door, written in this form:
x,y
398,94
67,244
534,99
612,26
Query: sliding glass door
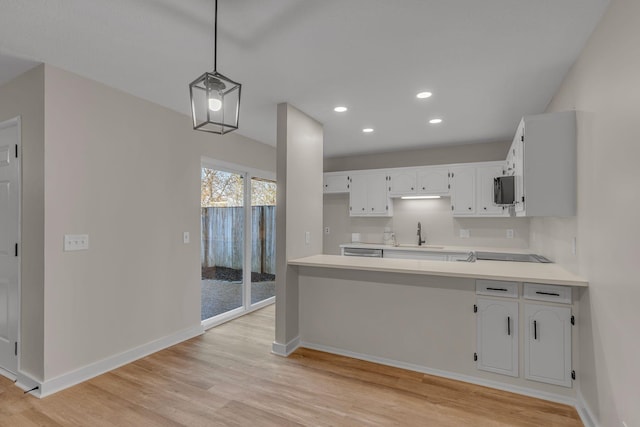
x,y
263,240
238,236
222,247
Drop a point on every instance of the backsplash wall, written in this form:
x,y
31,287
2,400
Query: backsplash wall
x,y
439,227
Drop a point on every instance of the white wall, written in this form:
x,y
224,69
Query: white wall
x,y
438,224
439,227
604,86
24,96
126,172
299,209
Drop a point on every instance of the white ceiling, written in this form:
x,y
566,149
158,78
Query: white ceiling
x,y
487,62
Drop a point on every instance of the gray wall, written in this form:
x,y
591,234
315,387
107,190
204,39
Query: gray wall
x,y
24,96
438,224
299,209
96,159
464,153
604,86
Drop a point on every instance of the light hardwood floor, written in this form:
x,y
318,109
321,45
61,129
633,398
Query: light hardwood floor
x,y
228,377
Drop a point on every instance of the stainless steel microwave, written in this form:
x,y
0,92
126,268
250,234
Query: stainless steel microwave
x,y
504,190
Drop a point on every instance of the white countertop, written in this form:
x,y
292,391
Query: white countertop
x,y
495,270
433,248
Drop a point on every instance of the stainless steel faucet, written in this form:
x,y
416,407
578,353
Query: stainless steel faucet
x,y
420,241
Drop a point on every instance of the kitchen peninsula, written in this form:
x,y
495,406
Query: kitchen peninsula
x,y
482,322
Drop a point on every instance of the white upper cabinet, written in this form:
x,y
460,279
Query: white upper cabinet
x,y
336,182
463,190
402,182
433,180
368,195
425,181
542,158
472,189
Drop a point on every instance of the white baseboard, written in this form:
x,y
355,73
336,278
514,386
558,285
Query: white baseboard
x,y
8,374
552,397
72,378
585,412
285,350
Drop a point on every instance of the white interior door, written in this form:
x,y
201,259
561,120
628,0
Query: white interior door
x,y
9,239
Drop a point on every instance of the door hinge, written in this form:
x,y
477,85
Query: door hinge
x,y
475,308
522,138
451,207
16,151
475,357
522,199
449,186
573,375
16,348
349,207
573,320
16,250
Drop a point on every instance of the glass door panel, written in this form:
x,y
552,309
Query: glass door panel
x,y
222,242
263,239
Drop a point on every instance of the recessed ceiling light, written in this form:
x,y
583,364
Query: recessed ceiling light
x,y
340,109
423,95
367,130
435,121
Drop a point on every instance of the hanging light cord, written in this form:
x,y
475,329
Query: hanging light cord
x,y
215,35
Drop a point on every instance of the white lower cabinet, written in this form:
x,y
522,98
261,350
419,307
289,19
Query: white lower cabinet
x,y
547,344
497,335
546,327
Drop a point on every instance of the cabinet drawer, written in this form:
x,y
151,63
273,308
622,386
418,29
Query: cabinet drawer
x,y
497,288
550,293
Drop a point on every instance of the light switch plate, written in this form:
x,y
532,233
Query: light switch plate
x,y
307,237
185,237
464,233
76,242
510,233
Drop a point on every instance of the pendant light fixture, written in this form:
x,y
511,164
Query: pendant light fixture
x,y
215,99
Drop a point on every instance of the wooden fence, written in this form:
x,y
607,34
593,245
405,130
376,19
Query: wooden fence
x,y
223,238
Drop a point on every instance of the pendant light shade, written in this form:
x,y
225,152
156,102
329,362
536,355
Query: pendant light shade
x,y
215,98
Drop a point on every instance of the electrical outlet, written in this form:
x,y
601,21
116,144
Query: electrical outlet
x,y
327,230
185,237
76,242
509,233
307,237
464,233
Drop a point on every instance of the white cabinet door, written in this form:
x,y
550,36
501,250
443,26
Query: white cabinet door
x,y
358,195
497,336
336,183
377,194
547,344
402,182
433,180
368,195
484,191
463,192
